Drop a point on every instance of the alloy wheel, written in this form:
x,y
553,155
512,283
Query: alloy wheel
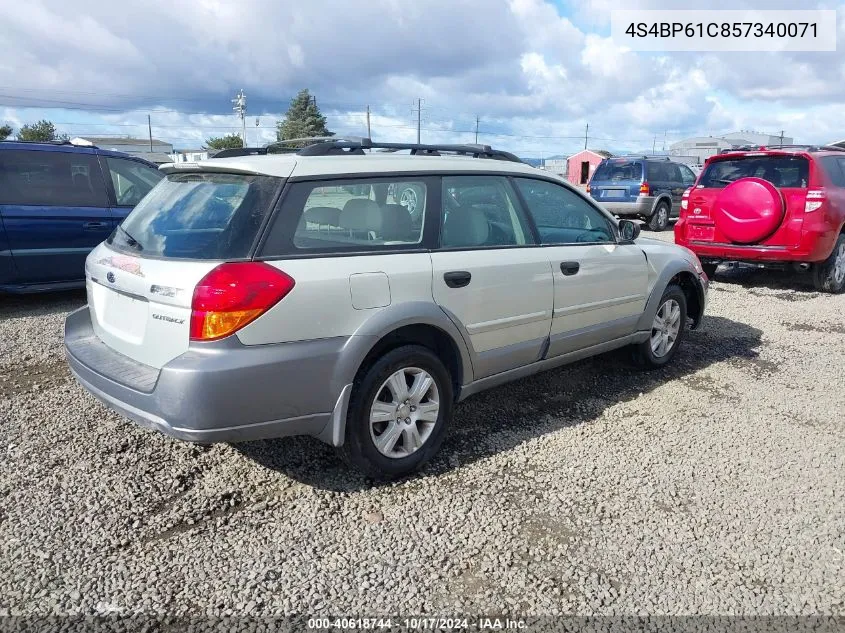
x,y
665,328
404,412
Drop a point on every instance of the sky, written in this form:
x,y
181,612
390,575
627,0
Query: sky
x,y
534,72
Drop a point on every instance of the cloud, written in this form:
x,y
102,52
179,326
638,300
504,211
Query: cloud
x,y
536,75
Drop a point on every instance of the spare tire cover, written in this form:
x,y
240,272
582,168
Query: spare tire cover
x,y
748,210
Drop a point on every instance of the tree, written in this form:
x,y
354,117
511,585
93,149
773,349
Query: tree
x,y
42,131
302,119
230,141
5,132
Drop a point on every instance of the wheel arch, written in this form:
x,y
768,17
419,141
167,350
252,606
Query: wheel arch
x,y
678,272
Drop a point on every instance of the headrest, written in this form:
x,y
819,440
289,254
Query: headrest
x,y
465,227
323,215
396,223
361,214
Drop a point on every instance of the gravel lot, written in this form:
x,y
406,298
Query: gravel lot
x,y
711,487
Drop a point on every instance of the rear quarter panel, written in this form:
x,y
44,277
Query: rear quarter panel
x,y
7,262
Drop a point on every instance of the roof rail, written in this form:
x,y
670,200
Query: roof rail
x,y
334,146
806,148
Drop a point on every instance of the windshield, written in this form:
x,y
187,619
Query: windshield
x,y
198,216
781,171
619,170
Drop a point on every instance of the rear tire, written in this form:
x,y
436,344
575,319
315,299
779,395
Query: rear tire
x,y
659,220
667,331
375,395
829,275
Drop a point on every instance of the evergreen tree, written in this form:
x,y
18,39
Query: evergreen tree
x,y
42,131
230,141
303,119
5,132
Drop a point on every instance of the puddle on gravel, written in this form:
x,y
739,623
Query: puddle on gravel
x,y
20,379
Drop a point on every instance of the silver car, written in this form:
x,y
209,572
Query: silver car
x,y
297,294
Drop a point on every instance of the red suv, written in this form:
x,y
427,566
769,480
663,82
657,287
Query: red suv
x,y
770,206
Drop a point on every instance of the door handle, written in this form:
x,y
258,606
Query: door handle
x,y
93,226
569,268
457,278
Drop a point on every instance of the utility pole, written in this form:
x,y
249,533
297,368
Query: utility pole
x,y
781,137
476,130
664,139
419,119
240,107
150,130
369,133
654,145
586,132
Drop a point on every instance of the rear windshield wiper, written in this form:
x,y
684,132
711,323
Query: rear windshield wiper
x,y
129,239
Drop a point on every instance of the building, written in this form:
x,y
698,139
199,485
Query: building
x,y
189,155
703,147
838,144
139,147
555,165
580,166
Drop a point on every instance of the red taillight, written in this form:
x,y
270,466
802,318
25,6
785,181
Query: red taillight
x,y
588,188
685,199
815,200
645,190
234,294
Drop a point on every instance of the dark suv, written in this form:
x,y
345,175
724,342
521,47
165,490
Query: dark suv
x,y
643,187
57,202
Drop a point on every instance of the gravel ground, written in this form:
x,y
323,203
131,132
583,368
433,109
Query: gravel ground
x,y
710,487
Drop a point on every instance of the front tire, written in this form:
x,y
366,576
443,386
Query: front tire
x,y
667,331
829,275
659,220
398,413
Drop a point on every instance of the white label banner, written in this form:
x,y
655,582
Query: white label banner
x,y
731,30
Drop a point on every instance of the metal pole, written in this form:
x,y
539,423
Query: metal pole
x,y
419,119
781,137
586,132
150,130
369,133
476,130
654,145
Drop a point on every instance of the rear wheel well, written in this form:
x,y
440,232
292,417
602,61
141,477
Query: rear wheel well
x,y
689,284
428,336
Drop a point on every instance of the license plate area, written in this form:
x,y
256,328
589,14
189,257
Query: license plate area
x,y
702,233
121,315
614,193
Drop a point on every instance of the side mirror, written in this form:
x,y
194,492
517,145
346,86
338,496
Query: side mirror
x,y
628,230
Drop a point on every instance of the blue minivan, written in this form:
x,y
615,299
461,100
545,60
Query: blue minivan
x,y
644,187
57,202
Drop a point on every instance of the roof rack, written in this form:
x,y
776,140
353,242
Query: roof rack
x,y
333,146
805,148
63,141
232,152
645,156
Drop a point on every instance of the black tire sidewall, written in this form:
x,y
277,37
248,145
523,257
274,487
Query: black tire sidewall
x,y
644,351
358,448
651,221
823,271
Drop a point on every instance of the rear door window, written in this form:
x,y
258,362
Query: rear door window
x,y
55,179
687,175
781,171
835,168
199,216
481,211
619,171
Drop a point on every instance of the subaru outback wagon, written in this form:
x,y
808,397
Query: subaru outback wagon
x,y
297,294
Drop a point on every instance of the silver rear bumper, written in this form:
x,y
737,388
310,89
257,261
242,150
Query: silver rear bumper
x,y
216,392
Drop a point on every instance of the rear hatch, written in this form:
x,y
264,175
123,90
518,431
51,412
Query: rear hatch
x,y
141,281
617,180
751,198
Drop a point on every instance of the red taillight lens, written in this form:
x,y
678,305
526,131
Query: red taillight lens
x,y
815,200
685,198
234,294
588,188
645,190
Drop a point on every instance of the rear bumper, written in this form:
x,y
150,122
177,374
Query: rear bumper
x,y
216,392
642,206
814,245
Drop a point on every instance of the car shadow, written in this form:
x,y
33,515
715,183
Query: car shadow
x,y
500,419
40,304
751,277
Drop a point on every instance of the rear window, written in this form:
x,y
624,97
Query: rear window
x,y
781,171
55,179
198,216
619,170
